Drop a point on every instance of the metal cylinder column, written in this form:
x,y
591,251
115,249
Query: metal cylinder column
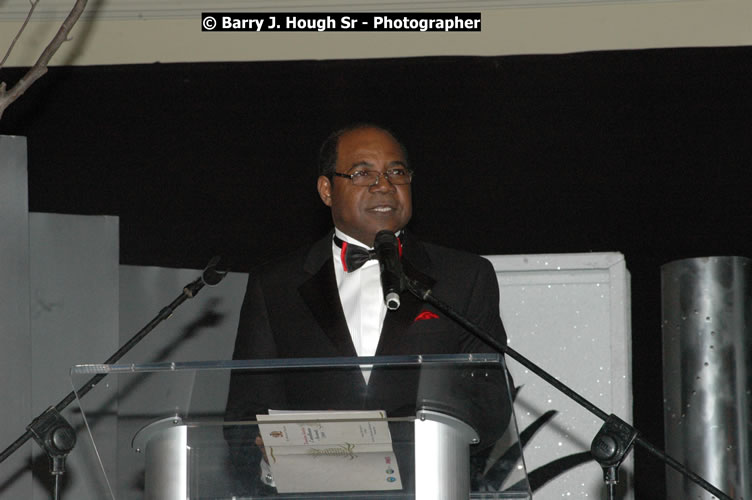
x,y
707,373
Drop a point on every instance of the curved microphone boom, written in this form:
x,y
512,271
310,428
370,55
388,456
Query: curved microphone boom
x,y
392,280
51,430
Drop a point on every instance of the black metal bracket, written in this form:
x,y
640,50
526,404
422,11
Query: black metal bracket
x,y
613,442
56,437
610,447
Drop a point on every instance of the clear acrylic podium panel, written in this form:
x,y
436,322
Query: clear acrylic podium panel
x,y
136,412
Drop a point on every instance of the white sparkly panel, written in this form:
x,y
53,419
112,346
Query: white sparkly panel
x,y
568,313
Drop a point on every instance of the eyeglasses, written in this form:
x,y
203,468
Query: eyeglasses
x,y
396,176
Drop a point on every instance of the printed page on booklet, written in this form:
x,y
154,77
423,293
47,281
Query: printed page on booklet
x,y
329,451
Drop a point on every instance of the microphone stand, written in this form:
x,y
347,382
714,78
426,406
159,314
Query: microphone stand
x,y
52,431
614,440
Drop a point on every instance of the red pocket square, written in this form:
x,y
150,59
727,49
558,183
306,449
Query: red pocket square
x,y
425,315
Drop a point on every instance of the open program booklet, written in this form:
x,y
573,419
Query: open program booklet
x,y
329,451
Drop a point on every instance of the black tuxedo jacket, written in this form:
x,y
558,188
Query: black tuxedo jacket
x,y
292,306
292,310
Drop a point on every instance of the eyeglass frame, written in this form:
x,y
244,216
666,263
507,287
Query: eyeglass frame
x,y
352,176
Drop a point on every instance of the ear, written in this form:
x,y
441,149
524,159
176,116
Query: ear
x,y
324,185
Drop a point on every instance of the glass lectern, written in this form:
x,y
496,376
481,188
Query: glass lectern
x,y
424,427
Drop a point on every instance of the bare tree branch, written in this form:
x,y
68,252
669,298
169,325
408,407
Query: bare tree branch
x,y
40,67
18,35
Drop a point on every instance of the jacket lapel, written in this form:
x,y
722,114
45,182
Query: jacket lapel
x,y
321,296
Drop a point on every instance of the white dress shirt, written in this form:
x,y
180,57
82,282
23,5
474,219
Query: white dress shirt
x,y
362,300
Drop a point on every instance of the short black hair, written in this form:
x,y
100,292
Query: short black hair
x,y
329,149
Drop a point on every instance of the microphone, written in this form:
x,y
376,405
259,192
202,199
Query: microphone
x,y
212,275
392,281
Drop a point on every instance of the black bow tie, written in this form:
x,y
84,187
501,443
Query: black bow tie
x,y
354,256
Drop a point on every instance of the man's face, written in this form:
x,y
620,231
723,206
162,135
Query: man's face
x,y
363,211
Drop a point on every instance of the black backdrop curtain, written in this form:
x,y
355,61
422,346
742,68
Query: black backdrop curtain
x,y
643,152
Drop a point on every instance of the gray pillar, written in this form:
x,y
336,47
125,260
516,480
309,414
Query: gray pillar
x,y
15,340
707,373
73,261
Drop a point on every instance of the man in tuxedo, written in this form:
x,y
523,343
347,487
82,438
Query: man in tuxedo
x,y
322,302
